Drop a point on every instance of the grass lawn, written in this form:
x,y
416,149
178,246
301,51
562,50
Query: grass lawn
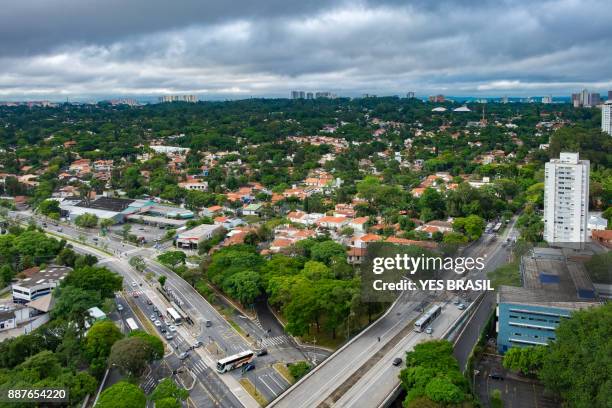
x,y
250,388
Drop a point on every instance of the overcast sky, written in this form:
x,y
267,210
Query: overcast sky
x,y
53,49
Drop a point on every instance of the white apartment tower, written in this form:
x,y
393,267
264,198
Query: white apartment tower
x,y
606,117
566,199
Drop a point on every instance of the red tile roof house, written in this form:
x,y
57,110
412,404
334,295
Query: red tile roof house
x,y
334,223
359,224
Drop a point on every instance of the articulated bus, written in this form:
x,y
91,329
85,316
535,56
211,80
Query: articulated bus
x,y
427,317
237,360
173,315
131,323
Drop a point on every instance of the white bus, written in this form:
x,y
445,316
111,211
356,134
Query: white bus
x,y
237,360
427,317
180,312
131,323
173,315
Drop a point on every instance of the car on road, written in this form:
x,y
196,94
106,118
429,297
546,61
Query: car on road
x,y
197,344
155,309
184,355
60,229
429,330
172,328
460,306
496,376
397,361
153,317
134,284
149,302
120,307
157,323
169,336
248,367
262,352
208,323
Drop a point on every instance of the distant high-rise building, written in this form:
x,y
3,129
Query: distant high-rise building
x,y
437,98
547,99
610,95
585,98
566,199
410,95
504,99
309,95
298,94
327,95
178,98
606,117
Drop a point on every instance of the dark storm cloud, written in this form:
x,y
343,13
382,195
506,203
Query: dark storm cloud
x,y
242,48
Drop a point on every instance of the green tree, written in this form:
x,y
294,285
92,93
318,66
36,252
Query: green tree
x,y
50,208
167,388
98,342
162,280
86,220
526,360
122,395
138,263
154,345
325,251
577,365
472,226
131,355
298,369
172,258
93,278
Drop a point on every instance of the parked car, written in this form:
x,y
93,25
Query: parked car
x,y
397,361
172,328
157,323
169,336
153,317
208,323
460,306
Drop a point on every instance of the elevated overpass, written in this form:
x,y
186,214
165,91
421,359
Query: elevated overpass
x,y
361,372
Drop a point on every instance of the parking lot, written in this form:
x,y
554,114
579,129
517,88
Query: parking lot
x,y
148,232
516,391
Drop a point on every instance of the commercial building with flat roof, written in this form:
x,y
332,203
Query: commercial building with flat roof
x,y
191,238
38,284
553,288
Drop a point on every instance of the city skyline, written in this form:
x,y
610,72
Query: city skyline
x,y
66,49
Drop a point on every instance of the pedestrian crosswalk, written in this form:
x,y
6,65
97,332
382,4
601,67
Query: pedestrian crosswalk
x,y
274,341
198,367
148,384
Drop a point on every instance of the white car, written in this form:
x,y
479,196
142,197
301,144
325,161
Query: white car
x,y
153,317
134,284
172,328
157,323
460,306
429,330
